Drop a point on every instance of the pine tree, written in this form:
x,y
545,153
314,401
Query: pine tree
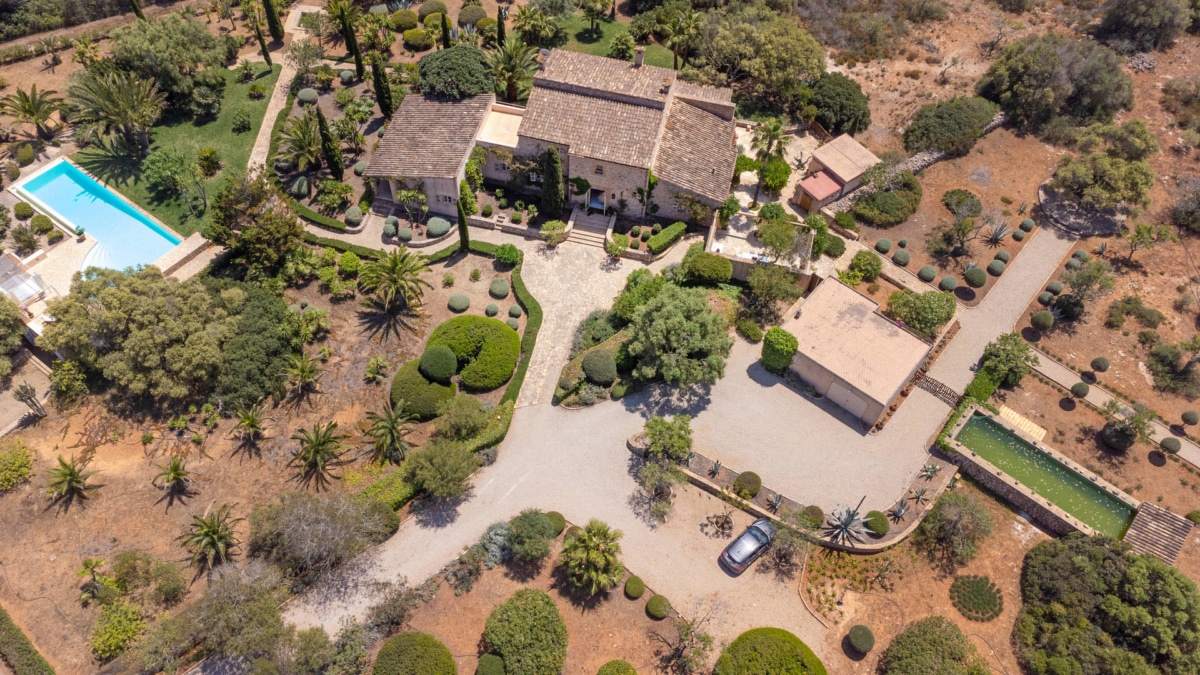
x,y
445,32
137,9
552,184
329,148
383,89
500,27
262,44
274,25
464,238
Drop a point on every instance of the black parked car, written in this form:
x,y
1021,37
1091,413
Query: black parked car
x,y
743,551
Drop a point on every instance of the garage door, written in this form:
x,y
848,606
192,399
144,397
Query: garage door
x,y
847,399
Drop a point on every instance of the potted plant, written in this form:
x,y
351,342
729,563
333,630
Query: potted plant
x,y
79,233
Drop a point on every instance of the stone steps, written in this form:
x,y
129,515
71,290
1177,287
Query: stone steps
x,y
587,237
1025,425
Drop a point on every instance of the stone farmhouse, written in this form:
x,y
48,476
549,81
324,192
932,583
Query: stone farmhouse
x,y
621,129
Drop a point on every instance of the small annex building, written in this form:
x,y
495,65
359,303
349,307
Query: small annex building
x,y
850,352
835,170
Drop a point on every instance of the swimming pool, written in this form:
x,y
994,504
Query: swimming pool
x,y
125,237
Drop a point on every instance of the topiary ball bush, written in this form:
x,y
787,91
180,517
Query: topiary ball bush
x,y
489,664
862,640
948,283
927,273
437,227
1081,255
389,226
634,587
492,309
883,245
903,243
513,323
418,39
1019,235
557,520
600,368
976,597
433,22
1027,225
404,19
658,608
996,268
307,96
1042,320
877,523
354,216
439,364
1170,445
41,224
529,633
414,654
812,515
346,76
498,289
431,7
975,277
901,257
486,348
1055,287
747,485
1080,389
768,650
404,234
359,167
1004,257
1100,364
1045,298
1191,418
835,246
459,303
1118,435
25,155
420,397
617,667
23,211
514,311
572,532
470,15
1073,264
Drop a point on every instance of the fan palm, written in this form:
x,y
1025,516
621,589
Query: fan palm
x,y
846,526
115,104
303,373
90,589
33,106
592,558
768,145
512,64
594,11
388,429
68,481
320,449
173,476
346,14
300,141
687,27
534,25
396,275
251,423
211,538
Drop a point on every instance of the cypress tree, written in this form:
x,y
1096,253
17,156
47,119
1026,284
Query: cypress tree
x,y
445,32
274,25
137,9
552,184
464,239
355,51
329,148
383,90
500,27
262,44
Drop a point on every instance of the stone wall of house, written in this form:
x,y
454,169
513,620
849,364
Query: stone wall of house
x,y
665,197
617,180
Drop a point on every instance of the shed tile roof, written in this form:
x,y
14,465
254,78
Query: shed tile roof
x,y
436,138
840,330
845,158
820,185
697,151
593,127
575,71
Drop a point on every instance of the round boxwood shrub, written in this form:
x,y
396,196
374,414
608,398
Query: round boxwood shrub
x,y
1194,516
346,76
359,167
1081,255
487,347
418,39
883,245
862,640
557,520
430,7
617,667
1170,445
41,224
747,485
901,257
492,309
498,289
877,523
1073,264
437,227
459,303
768,650
600,368
470,15
514,311
1055,287
1191,418
23,211
307,96
420,397
414,654
1004,257
354,216
903,243
432,22
1019,235
975,277
658,607
1080,389
1027,225
404,234
486,210
1100,364
489,664
1118,435
835,246
976,597
779,348
438,364
529,633
813,516
927,273
404,19
948,283
1045,298
634,588
389,226
572,531
513,323
25,155
1042,320
996,268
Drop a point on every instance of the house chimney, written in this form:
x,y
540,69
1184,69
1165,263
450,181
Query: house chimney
x,y
639,55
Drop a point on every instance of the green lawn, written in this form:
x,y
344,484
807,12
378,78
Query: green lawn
x,y
124,173
580,38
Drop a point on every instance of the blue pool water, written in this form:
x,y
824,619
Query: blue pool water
x,y
124,236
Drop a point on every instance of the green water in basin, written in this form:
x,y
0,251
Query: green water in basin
x,y
1071,492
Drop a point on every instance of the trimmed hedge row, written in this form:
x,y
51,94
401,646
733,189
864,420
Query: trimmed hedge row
x,y
665,239
18,652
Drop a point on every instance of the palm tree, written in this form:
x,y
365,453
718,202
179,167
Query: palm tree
x,y
25,393
251,423
388,429
320,449
35,107
533,25
688,25
90,589
672,37
173,476
115,104
303,373
396,274
300,141
768,145
512,64
592,558
68,481
846,526
211,538
595,10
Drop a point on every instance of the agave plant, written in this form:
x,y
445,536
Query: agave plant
x,y
715,468
970,266
930,471
996,233
899,511
1024,208
919,495
776,502
1102,248
846,526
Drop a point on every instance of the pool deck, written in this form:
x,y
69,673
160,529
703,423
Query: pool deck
x,y
58,264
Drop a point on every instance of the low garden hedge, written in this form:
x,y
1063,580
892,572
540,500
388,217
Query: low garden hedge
x,y
414,654
835,246
658,607
18,652
487,350
877,523
420,396
617,667
768,650
23,211
634,587
749,330
301,210
665,239
529,633
600,368
438,364
981,387
710,269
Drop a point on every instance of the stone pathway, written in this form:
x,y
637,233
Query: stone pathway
x,y
262,144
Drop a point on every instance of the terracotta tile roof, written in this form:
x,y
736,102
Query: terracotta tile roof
x,y
845,158
697,151
593,127
430,138
584,73
820,185
699,92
